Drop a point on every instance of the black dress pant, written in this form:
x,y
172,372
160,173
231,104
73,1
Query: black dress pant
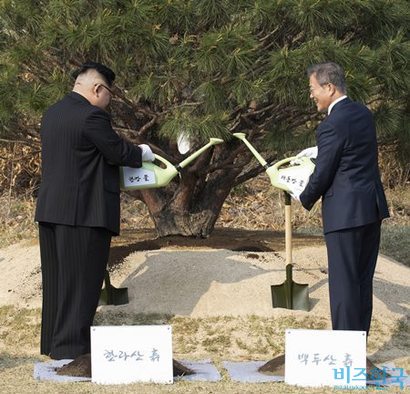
x,y
73,263
352,256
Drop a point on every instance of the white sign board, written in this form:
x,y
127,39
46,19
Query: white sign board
x,y
295,178
137,177
126,354
325,358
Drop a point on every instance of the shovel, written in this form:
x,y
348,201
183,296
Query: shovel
x,y
110,295
289,294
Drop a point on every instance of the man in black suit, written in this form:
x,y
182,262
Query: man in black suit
x,y
78,207
347,179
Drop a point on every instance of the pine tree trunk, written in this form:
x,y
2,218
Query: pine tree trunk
x,y
198,224
191,206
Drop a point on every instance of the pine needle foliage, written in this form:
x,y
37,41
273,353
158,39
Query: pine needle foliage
x,y
207,67
218,56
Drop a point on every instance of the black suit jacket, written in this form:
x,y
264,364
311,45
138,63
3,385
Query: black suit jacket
x,y
346,175
81,155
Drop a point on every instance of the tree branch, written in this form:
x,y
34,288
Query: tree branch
x,y
144,129
27,143
253,172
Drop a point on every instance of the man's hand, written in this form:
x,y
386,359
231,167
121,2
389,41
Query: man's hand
x,y
311,153
295,194
147,154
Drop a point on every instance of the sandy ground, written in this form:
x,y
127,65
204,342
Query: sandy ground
x,y
209,282
199,284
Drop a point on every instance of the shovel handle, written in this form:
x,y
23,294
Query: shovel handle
x,y
107,279
288,229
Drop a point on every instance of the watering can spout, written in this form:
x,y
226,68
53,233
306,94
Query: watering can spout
x,y
190,158
242,137
279,177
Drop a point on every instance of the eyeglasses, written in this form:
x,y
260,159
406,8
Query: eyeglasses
x,y
101,84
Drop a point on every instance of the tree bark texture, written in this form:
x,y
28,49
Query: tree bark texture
x,y
191,203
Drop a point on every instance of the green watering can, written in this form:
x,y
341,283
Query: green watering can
x,y
282,178
289,294
147,177
151,176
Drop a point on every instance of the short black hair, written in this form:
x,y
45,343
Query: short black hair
x,y
329,72
105,72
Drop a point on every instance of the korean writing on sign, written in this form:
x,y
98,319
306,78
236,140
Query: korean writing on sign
x,y
136,355
139,179
293,180
312,355
328,359
125,354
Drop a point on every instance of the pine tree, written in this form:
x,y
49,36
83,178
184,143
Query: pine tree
x,y
206,68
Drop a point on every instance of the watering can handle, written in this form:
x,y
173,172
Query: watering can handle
x,y
280,163
298,160
164,161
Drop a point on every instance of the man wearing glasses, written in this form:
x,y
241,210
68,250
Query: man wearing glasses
x,y
78,207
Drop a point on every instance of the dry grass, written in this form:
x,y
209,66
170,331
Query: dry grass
x,y
257,205
16,219
235,338
226,338
19,328
254,205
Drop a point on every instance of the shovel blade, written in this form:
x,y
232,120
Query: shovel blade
x,y
110,295
290,295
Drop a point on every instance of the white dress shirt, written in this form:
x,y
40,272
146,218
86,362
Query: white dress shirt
x,y
334,103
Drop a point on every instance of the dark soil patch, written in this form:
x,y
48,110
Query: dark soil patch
x,y
81,367
221,238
